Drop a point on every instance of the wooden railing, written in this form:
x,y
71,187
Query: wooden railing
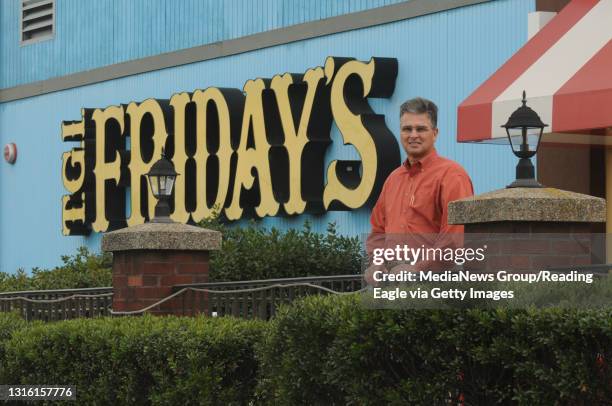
x,y
246,299
59,304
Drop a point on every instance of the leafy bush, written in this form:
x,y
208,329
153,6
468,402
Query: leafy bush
x,y
144,360
251,252
15,282
323,351
297,345
247,253
9,322
331,350
81,270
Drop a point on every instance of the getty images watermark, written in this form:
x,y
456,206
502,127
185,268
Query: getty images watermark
x,y
486,271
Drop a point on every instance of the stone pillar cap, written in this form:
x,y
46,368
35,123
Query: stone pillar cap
x,y
528,204
161,236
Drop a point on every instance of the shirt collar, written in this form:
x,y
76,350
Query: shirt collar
x,y
423,162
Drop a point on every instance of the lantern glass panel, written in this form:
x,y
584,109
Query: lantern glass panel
x,y
162,185
532,138
154,183
165,185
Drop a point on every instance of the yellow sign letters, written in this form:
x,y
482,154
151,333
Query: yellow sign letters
x,y
260,151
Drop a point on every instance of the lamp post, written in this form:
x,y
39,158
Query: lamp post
x,y
524,129
161,179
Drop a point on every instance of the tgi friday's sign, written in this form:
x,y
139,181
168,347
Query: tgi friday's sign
x,y
258,151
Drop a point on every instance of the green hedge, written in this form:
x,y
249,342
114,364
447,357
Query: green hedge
x,y
253,252
9,322
249,252
144,360
296,350
81,270
334,351
322,351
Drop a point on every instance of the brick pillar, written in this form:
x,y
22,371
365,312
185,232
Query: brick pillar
x,y
532,228
151,258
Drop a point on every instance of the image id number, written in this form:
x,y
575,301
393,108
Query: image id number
x,y
36,392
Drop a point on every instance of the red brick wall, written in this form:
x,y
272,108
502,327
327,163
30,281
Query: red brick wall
x,y
141,278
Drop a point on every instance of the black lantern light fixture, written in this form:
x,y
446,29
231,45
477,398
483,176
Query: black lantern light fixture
x,y
524,129
161,179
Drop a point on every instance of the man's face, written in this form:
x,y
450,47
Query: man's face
x,y
417,134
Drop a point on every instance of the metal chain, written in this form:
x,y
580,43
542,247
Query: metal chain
x,y
133,312
62,299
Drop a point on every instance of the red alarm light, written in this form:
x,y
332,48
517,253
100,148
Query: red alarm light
x,y
10,153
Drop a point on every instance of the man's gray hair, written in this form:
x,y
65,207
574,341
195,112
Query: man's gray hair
x,y
419,105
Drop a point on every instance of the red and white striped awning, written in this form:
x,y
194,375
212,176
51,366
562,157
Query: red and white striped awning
x,y
566,70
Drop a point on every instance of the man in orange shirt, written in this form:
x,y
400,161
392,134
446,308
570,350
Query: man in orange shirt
x,y
414,199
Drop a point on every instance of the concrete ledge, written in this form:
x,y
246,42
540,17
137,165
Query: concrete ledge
x,y
161,236
528,204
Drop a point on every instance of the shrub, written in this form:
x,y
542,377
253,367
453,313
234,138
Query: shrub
x,y
81,270
247,253
251,252
9,322
322,351
334,351
297,346
144,360
15,282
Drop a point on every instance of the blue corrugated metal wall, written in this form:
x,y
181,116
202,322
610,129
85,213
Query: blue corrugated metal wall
x,y
442,56
90,34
